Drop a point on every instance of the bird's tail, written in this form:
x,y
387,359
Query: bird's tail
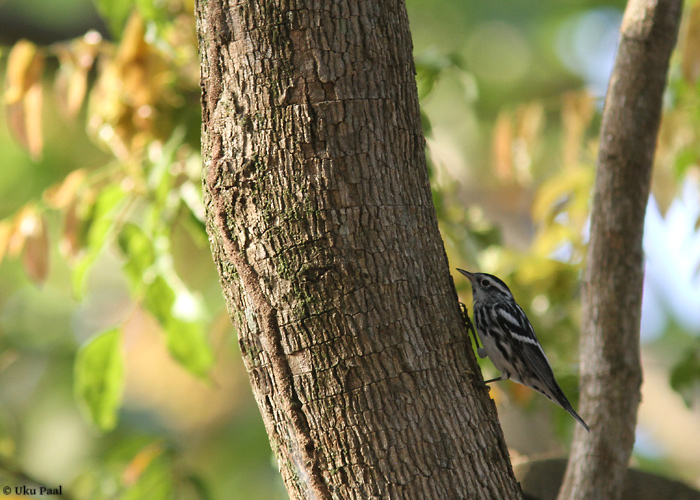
x,y
578,418
558,397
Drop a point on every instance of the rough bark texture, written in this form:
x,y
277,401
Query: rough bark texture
x,y
611,373
324,232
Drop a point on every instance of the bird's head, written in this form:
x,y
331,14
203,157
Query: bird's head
x,y
487,288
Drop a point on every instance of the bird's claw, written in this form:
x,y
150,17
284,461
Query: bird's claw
x,y
470,328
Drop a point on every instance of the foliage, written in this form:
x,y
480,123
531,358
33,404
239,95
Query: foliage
x,y
526,218
139,205
132,201
136,469
99,378
685,376
512,199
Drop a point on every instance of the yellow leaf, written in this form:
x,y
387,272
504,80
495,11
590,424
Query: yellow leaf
x,y
22,223
5,234
75,61
70,240
501,143
24,96
24,67
561,190
33,105
130,89
691,46
35,258
140,462
61,195
530,120
577,112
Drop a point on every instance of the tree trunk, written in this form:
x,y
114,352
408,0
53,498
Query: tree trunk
x,y
325,236
611,373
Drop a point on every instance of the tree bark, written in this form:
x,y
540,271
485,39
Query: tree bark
x,y
611,373
323,229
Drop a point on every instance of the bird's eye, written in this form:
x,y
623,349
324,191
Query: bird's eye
x,y
485,283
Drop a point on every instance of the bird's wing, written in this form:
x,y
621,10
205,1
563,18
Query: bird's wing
x,y
529,359
526,349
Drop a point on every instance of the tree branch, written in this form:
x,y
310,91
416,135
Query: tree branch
x,y
611,373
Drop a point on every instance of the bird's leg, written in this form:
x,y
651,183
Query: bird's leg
x,y
479,350
470,328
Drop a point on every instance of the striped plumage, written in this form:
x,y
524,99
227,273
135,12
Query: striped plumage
x,y
509,340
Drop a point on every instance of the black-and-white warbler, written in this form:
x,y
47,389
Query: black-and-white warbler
x,y
510,342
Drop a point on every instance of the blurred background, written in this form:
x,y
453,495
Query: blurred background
x,y
120,375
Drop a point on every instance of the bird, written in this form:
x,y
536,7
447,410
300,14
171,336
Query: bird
x,y
510,341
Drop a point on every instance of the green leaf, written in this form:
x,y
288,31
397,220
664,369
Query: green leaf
x,y
115,14
188,344
157,15
159,300
685,376
159,176
108,204
99,378
684,159
79,273
196,486
155,480
186,340
137,247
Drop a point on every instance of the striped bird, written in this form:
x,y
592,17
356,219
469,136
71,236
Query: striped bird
x,y
510,342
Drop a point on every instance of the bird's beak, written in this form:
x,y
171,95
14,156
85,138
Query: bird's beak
x,y
469,275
